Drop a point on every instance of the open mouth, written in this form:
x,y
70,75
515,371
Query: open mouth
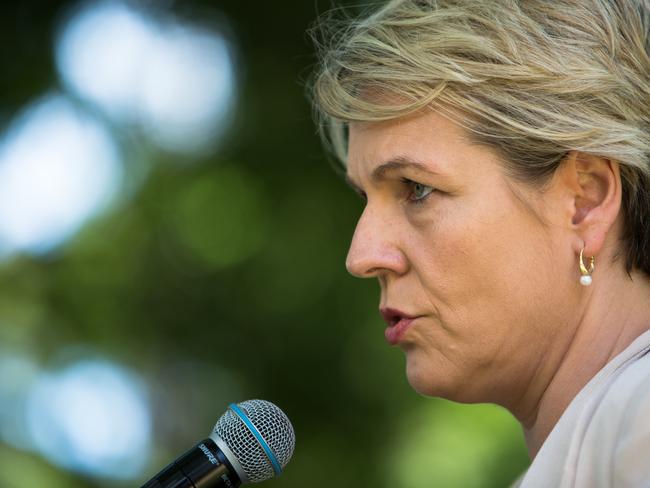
x,y
398,324
392,316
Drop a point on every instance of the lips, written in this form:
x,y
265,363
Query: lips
x,y
398,323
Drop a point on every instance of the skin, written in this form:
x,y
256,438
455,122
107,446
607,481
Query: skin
x,y
489,266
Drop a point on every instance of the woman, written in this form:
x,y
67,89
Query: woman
x,y
503,150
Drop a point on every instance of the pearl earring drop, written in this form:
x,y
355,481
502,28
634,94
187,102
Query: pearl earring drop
x,y
585,278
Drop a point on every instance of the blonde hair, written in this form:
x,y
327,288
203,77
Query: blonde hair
x,y
533,79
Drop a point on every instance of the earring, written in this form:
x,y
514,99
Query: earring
x,y
585,278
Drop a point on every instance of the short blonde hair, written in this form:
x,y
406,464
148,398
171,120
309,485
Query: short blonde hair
x,y
533,79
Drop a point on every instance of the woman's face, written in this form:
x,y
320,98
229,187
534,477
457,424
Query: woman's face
x,y
475,271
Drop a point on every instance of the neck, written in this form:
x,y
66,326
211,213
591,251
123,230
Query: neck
x,y
614,315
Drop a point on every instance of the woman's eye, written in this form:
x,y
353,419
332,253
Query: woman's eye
x,y
419,191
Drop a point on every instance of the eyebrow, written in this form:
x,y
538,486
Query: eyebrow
x,y
395,164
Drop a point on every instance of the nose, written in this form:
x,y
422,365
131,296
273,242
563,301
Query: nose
x,y
375,247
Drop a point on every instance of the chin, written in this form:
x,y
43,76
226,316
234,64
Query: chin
x,y
439,381
428,381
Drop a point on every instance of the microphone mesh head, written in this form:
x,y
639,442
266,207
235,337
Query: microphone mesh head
x,y
272,424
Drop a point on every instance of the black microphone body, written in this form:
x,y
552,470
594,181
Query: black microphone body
x,y
203,466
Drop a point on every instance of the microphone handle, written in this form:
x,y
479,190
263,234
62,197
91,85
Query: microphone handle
x,y
203,466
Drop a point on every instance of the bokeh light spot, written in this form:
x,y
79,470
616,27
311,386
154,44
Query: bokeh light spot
x,y
101,53
139,67
91,417
59,166
187,89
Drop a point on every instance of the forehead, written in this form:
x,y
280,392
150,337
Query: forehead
x,y
425,136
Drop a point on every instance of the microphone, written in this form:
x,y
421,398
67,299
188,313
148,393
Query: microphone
x,y
251,442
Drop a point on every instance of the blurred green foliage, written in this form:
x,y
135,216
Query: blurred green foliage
x,y
223,279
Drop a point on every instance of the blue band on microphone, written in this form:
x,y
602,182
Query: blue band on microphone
x,y
260,440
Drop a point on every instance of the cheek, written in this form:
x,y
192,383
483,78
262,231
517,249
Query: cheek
x,y
453,257
477,269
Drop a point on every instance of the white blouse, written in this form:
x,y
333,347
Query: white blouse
x,y
602,439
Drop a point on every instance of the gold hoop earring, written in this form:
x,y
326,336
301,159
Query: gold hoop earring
x,y
585,278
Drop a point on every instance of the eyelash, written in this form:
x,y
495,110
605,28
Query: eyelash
x,y
411,185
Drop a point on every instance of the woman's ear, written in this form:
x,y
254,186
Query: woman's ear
x,y
594,184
